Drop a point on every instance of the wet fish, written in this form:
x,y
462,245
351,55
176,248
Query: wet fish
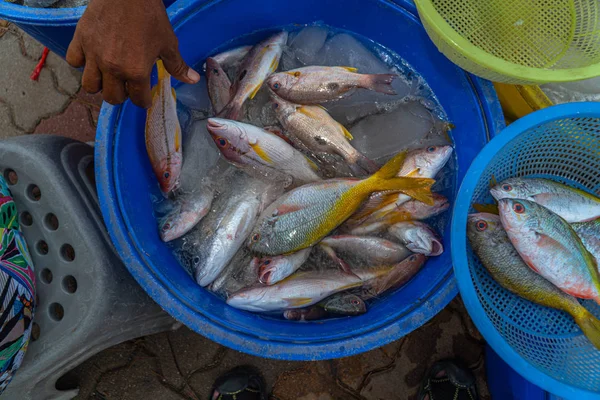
x,y
299,290
274,269
231,57
188,211
249,145
211,246
376,251
313,85
339,304
589,233
344,304
549,245
305,215
261,61
417,237
420,163
163,133
313,313
241,272
497,254
573,205
219,85
379,280
320,133
410,211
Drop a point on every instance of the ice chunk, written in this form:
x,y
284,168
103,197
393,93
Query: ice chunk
x,y
345,51
409,125
194,96
307,44
568,92
200,154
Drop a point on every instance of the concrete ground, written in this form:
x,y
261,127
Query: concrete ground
x,y
183,364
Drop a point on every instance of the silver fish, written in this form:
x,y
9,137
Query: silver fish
x,y
274,269
589,233
320,133
573,205
219,85
258,64
299,290
241,272
245,144
374,250
188,211
231,57
384,278
417,237
314,85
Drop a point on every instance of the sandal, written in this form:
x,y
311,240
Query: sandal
x,y
241,383
446,380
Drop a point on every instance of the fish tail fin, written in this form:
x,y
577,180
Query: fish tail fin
x,y
362,164
232,110
590,326
162,71
381,83
391,168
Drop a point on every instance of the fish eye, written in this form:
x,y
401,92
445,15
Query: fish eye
x,y
355,302
431,149
519,208
413,257
275,105
481,226
506,187
215,71
166,226
256,237
267,262
276,85
196,260
167,175
221,142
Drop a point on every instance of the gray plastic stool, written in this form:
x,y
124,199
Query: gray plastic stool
x,y
87,299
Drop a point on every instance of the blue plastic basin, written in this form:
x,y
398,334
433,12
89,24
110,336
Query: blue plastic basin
x,y
125,180
52,27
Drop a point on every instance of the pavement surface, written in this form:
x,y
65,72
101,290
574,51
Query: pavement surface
x,y
182,364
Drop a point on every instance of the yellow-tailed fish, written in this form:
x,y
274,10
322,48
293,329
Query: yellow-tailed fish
x,y
549,245
573,205
417,237
320,133
189,210
249,145
258,64
300,290
497,254
163,133
305,215
589,233
314,85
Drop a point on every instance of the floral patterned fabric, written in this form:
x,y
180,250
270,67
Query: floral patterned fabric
x,y
17,289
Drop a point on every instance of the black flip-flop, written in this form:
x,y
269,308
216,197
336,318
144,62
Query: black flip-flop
x,y
241,383
446,380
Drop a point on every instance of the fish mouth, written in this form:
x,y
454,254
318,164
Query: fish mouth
x,y
214,124
497,194
436,248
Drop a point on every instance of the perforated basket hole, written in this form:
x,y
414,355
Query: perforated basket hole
x,y
56,311
51,222
46,275
11,176
67,252
35,332
69,284
42,247
26,219
34,193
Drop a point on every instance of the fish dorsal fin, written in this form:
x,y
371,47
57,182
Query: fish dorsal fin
x,y
174,94
160,69
155,90
256,89
346,132
350,69
261,152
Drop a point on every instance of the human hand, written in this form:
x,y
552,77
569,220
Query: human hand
x,y
118,42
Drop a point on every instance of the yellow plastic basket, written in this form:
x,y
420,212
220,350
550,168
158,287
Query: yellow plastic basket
x,y
517,41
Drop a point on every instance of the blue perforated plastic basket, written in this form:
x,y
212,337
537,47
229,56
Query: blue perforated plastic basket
x,y
543,345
